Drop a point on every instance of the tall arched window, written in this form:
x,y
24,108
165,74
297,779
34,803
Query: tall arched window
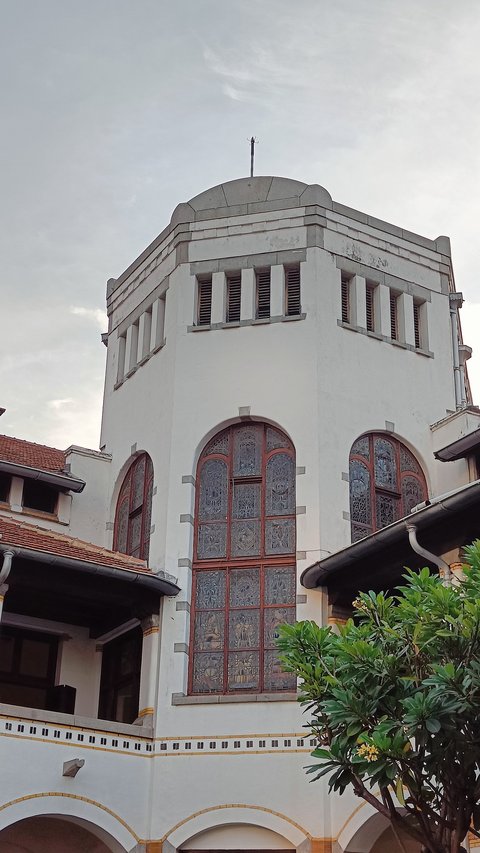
x,y
244,561
133,516
386,482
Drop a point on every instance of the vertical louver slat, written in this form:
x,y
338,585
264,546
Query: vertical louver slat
x,y
393,316
416,324
263,293
370,306
234,295
204,302
345,299
292,291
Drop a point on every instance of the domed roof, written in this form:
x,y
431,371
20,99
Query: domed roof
x,y
266,192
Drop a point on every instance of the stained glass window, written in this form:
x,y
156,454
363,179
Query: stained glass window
x,y
386,482
133,516
244,580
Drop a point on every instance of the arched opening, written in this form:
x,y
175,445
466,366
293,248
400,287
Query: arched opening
x,y
386,482
57,835
376,835
244,560
133,514
237,836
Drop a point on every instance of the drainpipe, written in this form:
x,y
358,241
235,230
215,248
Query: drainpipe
x,y
4,573
456,302
432,558
464,353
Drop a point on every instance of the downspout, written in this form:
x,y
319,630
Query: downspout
x,y
456,301
6,566
432,558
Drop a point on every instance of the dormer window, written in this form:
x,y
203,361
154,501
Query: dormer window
x,y
39,496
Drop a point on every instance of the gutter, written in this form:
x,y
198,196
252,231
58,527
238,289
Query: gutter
x,y
154,583
437,508
63,481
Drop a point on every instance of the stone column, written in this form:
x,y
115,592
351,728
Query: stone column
x,y
248,287
358,312
277,291
218,297
406,332
158,322
149,669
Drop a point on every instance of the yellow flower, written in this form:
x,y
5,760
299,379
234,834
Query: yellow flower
x,y
368,752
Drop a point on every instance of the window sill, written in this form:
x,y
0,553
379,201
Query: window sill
x,y
73,721
264,321
378,337
182,699
33,513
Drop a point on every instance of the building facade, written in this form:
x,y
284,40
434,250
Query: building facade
x,y
283,376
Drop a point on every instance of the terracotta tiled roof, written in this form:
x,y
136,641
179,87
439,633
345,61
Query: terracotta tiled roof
x,y
28,453
18,534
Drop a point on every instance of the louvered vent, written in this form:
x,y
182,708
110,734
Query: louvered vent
x,y
204,317
234,292
370,306
263,293
416,324
292,291
393,316
345,299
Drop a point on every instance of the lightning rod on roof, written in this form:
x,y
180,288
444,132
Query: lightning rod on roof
x,y
253,142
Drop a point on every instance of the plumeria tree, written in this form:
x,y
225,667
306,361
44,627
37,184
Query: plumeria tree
x,y
394,702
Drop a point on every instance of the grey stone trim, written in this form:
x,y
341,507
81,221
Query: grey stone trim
x,y
386,339
187,478
301,599
346,516
390,426
315,232
267,259
154,491
300,510
445,284
244,411
146,303
378,277
181,647
181,253
282,318
181,699
184,562
345,476
109,525
380,225
300,469
186,518
182,605
152,529
133,449
300,555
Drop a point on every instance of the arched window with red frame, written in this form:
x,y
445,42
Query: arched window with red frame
x,y
386,482
133,516
244,581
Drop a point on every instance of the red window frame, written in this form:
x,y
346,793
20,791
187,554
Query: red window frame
x,y
144,509
230,563
375,489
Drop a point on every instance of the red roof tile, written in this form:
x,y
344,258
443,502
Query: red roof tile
x,y
18,534
28,453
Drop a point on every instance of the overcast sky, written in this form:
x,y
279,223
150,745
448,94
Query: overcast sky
x,y
113,111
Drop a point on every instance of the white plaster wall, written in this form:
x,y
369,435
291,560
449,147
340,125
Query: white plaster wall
x,y
89,512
